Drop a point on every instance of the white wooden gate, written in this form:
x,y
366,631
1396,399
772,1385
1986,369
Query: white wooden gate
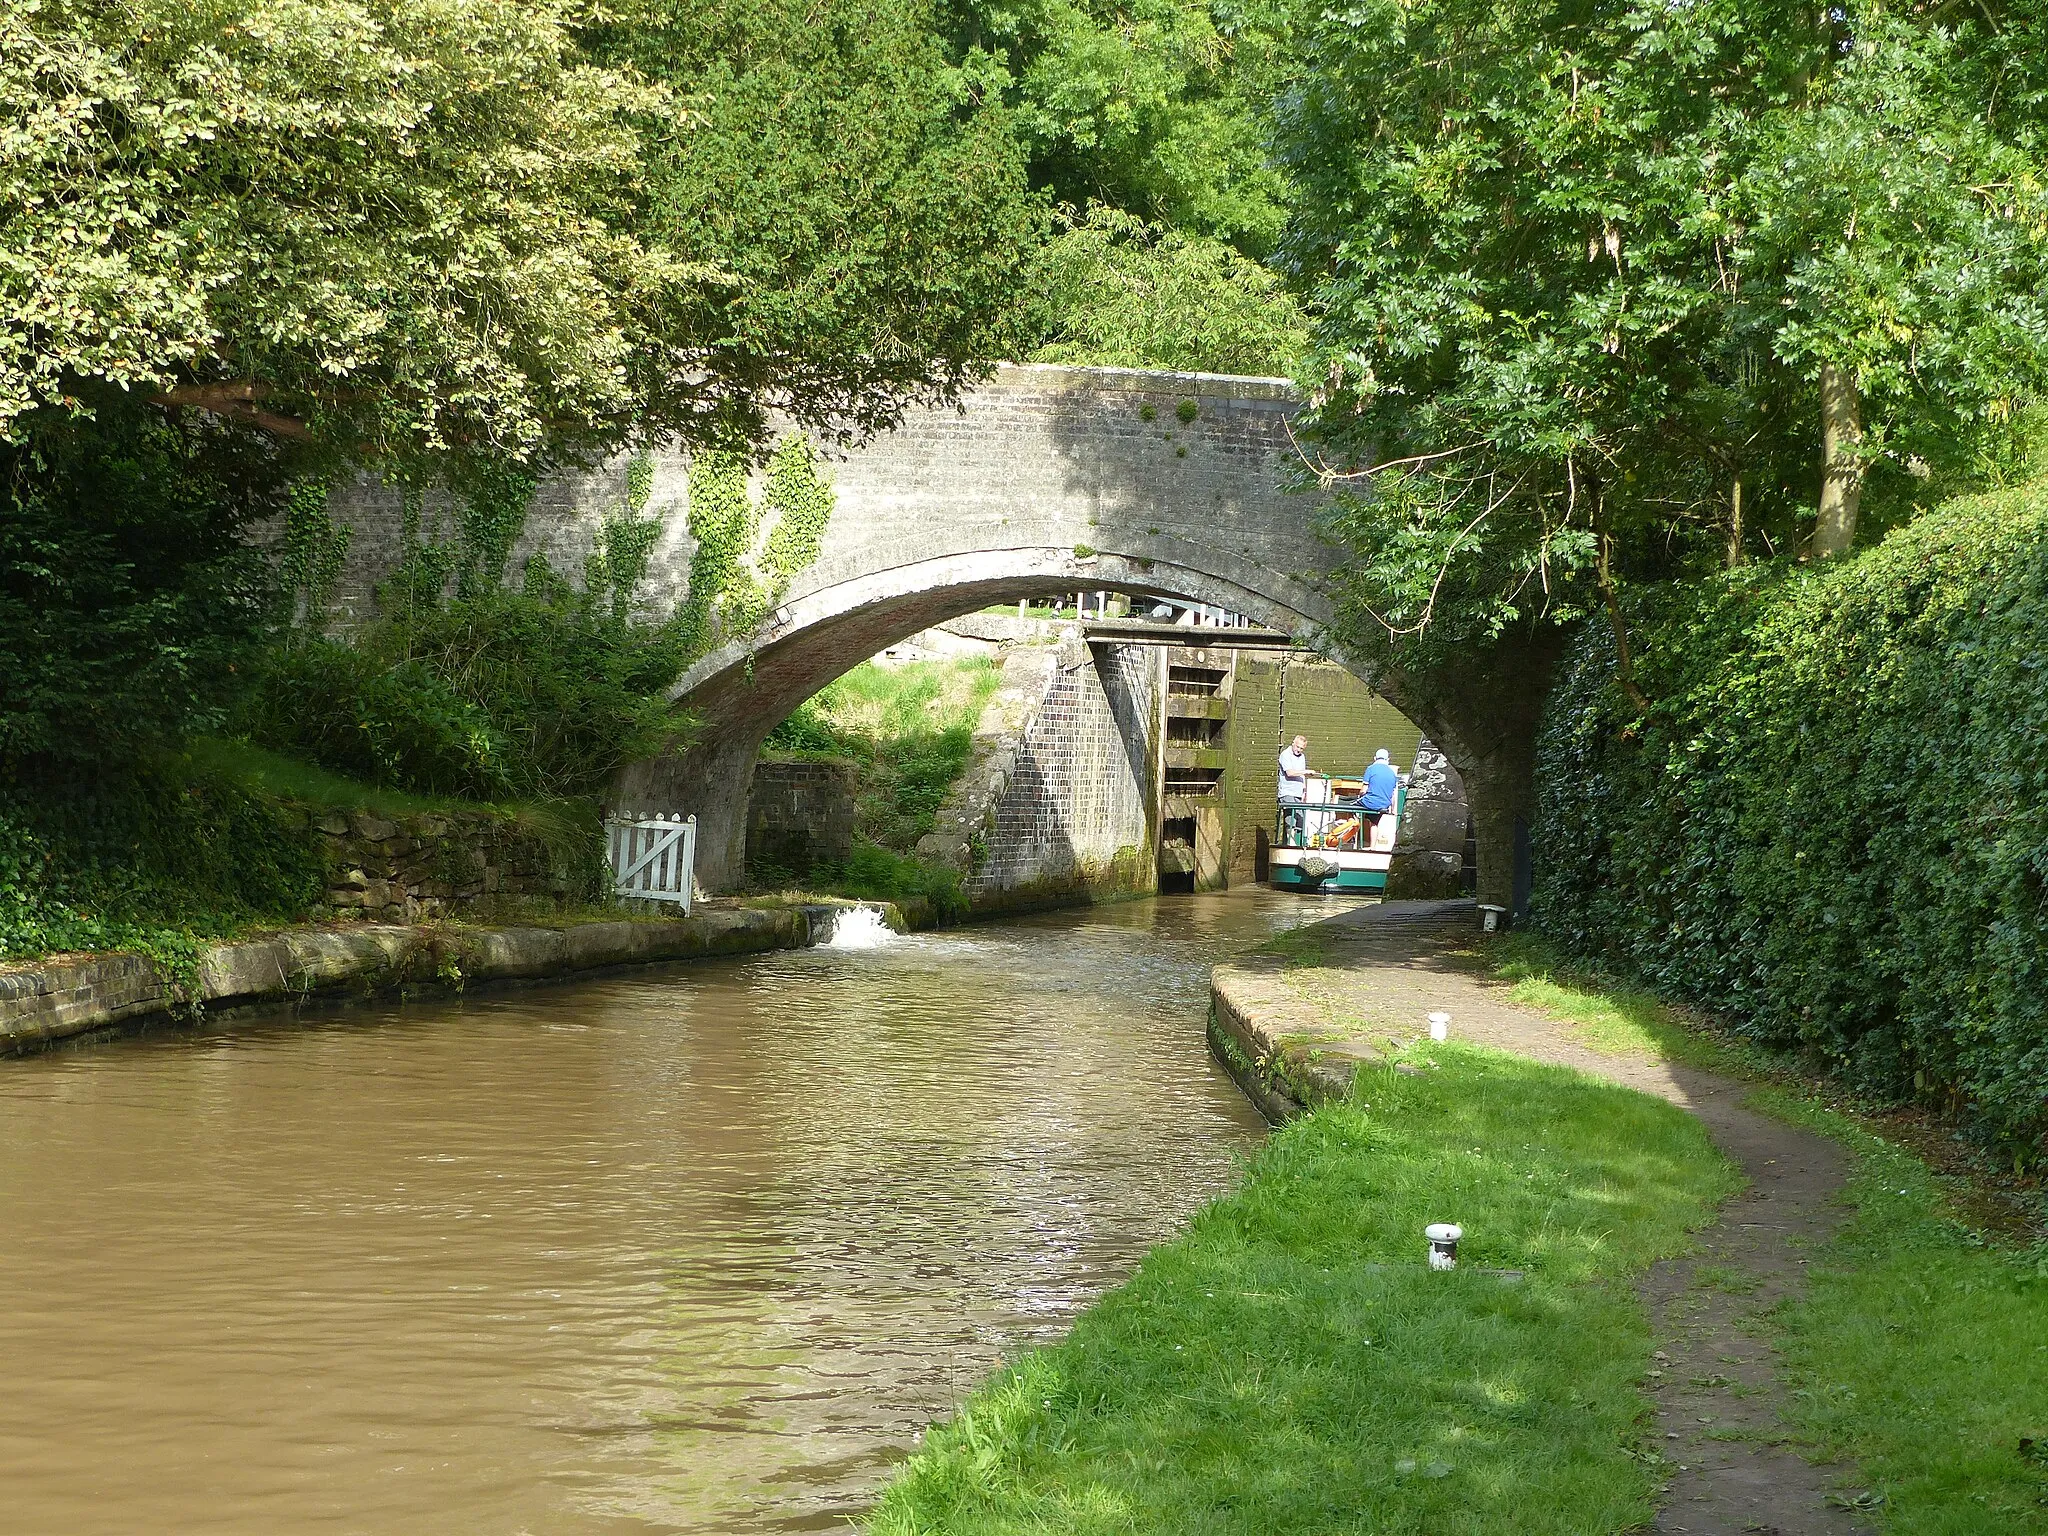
x,y
653,858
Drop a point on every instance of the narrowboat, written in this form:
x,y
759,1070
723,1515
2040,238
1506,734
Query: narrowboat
x,y
1326,842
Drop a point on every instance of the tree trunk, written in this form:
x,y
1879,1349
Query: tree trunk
x,y
1841,485
1735,524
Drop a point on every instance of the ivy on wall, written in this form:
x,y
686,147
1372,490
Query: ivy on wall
x,y
722,519
490,515
618,563
802,504
310,555
734,586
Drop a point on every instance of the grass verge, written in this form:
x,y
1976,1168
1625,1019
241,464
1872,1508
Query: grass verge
x,y
1291,1364
1920,1351
284,778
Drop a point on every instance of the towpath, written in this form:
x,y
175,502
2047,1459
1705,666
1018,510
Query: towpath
x,y
1363,984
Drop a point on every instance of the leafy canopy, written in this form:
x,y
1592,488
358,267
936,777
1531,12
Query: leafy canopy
x,y
868,209
1157,107
395,220
1117,292
1578,265
425,225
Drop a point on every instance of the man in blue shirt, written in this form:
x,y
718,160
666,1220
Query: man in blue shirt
x,y
1381,785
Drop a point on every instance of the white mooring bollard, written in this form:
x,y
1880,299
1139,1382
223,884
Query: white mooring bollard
x,y
1443,1244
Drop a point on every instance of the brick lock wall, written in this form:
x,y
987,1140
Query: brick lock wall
x,y
1251,776
1076,812
1278,697
1345,721
801,813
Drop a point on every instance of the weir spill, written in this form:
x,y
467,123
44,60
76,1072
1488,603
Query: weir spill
x,y
695,1250
859,928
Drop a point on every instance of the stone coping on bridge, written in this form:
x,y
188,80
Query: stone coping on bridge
x,y
1141,381
64,997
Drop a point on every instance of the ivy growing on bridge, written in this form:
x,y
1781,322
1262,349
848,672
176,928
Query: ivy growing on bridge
x,y
310,554
733,589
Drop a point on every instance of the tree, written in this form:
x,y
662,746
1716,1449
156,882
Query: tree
x,y
1118,292
1155,107
384,223
864,207
128,596
429,226
1888,243
1577,304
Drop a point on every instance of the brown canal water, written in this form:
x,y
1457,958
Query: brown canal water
x,y
685,1251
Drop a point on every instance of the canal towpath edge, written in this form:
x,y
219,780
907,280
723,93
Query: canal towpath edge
x,y
71,997
1294,1022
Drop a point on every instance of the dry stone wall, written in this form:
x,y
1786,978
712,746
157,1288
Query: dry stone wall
x,y
403,869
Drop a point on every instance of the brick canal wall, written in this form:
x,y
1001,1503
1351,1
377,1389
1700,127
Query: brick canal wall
x,y
1074,818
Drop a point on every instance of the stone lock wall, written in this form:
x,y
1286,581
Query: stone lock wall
x,y
402,869
800,814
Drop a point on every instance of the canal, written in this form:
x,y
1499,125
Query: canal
x,y
687,1251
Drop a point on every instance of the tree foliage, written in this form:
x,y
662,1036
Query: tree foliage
x,y
128,596
465,225
866,208
1579,266
1155,107
399,222
1117,292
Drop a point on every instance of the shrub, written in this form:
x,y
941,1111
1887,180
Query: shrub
x,y
1832,822
148,859
520,695
127,595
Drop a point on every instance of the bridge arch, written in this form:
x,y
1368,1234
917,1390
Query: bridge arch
x,y
1044,479
741,692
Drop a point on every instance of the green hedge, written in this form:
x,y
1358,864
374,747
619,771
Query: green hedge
x,y
1832,824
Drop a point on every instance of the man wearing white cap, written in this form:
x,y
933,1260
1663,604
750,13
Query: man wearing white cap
x,y
1382,783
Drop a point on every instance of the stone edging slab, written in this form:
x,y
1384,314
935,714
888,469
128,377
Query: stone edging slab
x,y
1280,1050
49,1000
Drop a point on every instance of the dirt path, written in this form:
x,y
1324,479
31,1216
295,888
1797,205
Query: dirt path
x,y
1367,980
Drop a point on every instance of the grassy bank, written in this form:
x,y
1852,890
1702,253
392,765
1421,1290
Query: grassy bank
x,y
1292,1365
908,731
1921,1349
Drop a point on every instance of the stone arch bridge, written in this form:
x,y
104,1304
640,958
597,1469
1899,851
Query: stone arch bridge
x,y
1045,479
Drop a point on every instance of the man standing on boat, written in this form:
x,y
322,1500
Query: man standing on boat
x,y
1293,791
